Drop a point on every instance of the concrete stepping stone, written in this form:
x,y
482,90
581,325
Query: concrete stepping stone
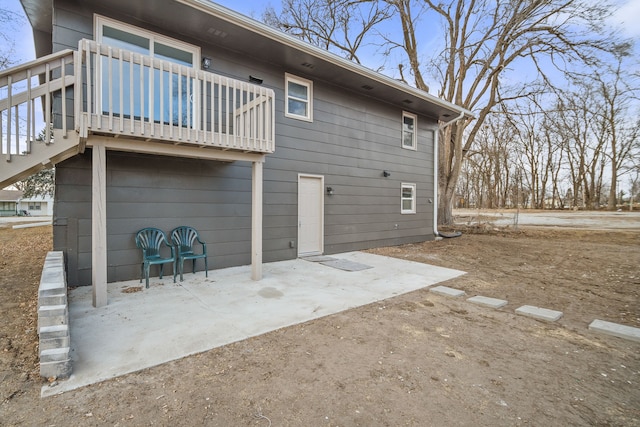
x,y
445,290
539,313
489,302
615,329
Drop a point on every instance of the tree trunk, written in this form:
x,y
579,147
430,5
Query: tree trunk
x,y
445,214
450,163
613,199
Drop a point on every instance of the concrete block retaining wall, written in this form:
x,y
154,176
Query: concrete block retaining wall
x,y
53,319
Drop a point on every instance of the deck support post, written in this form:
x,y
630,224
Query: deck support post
x,y
256,220
99,225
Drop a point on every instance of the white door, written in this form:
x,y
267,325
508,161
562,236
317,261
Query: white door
x,y
310,215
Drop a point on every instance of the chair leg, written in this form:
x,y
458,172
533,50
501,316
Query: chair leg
x,y
161,270
181,269
174,272
141,271
194,266
206,268
146,274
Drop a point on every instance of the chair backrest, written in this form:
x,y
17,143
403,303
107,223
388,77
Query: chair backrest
x,y
150,240
184,237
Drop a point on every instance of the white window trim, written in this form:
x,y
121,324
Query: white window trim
x,y
414,146
413,199
303,82
100,21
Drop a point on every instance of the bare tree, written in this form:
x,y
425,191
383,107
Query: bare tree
x,y
484,41
583,141
536,148
9,23
340,26
554,161
494,144
617,89
488,175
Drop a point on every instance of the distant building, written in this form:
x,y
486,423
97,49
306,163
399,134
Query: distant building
x,y
12,203
9,202
37,205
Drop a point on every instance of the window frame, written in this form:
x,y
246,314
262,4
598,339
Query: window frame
x,y
302,82
99,21
413,198
414,138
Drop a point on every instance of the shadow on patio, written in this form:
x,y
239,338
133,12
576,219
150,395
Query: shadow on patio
x,y
168,321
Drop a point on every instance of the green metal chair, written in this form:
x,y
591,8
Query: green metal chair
x,y
184,238
151,241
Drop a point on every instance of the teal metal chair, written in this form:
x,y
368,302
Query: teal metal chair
x,y
151,241
184,238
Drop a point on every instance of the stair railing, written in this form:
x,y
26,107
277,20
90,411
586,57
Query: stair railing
x,y
45,80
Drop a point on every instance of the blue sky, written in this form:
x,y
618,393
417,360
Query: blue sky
x,y
626,19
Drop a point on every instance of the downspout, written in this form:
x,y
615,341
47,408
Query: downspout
x,y
435,169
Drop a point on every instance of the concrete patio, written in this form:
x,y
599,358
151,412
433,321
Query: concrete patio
x,y
140,328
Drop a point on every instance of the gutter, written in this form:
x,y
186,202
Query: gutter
x,y
435,169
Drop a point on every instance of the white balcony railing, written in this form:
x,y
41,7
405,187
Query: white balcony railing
x,y
126,93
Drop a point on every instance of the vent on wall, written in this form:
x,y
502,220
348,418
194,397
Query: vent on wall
x,y
366,87
307,65
407,101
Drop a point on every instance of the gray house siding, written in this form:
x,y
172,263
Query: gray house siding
x,y
70,25
153,191
350,142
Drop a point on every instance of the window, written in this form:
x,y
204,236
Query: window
x,y
35,206
409,131
178,93
408,199
299,98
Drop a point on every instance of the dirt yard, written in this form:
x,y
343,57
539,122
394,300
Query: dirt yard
x,y
415,360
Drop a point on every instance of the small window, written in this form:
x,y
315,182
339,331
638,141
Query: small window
x,y
408,199
299,98
409,131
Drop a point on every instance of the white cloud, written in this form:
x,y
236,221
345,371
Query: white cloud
x,y
627,18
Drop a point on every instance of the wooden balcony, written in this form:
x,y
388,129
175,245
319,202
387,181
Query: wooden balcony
x,y
50,108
